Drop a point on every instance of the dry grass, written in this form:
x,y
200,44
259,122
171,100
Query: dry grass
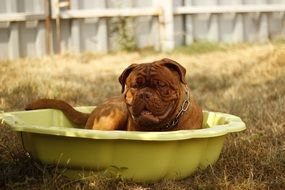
x,y
248,81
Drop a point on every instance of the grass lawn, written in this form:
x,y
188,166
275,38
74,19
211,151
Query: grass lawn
x,y
244,80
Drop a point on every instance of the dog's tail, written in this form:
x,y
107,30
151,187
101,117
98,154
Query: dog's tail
x,y
73,115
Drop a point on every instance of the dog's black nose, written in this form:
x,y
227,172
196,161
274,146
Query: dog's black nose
x,y
145,95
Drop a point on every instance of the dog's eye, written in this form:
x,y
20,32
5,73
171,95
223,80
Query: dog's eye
x,y
159,83
139,82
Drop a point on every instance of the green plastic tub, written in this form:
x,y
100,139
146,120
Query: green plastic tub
x,y
141,156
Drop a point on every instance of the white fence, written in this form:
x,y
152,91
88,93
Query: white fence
x,y
37,27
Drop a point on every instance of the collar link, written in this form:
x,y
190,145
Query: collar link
x,y
184,107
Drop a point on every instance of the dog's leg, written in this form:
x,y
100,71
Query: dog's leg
x,y
110,115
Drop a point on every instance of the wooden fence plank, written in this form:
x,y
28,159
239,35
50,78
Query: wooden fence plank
x,y
215,9
75,29
17,17
94,30
166,25
3,7
205,25
65,42
134,12
102,35
189,29
75,36
40,38
178,25
4,40
145,29
231,24
14,40
40,42
276,21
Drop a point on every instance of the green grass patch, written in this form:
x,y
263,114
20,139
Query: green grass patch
x,y
200,47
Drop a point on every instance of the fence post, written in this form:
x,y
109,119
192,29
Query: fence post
x,y
166,25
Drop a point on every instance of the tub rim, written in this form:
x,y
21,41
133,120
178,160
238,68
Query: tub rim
x,y
232,124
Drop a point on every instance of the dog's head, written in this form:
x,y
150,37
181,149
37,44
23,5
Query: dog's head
x,y
153,92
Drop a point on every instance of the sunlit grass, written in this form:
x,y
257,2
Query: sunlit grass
x,y
244,80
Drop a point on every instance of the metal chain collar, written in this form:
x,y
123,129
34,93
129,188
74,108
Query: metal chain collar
x,y
184,107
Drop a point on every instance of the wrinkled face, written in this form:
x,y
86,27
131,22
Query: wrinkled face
x,y
152,93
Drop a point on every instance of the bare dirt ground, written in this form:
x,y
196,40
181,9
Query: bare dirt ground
x,y
245,80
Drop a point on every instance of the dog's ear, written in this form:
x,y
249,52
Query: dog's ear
x,y
176,67
123,77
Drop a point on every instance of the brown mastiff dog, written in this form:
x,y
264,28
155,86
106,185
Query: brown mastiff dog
x,y
155,98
